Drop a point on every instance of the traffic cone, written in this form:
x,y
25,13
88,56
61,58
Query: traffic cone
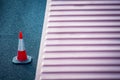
x,y
22,57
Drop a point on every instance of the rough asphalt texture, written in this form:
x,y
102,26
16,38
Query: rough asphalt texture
x,y
20,15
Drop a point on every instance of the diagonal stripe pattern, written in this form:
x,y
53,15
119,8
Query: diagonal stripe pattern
x,y
80,41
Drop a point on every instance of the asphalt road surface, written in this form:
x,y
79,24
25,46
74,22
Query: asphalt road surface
x,y
20,15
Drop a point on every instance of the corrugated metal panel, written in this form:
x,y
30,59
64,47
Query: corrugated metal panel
x,y
80,41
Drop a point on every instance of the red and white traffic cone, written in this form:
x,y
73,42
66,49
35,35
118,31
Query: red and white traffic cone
x,y
22,57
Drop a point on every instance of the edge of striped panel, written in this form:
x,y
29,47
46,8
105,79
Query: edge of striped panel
x,y
40,55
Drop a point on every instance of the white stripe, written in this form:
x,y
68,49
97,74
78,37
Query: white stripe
x,y
84,12
84,7
84,24
83,35
58,42
79,48
82,54
109,29
86,18
80,68
21,46
81,61
79,76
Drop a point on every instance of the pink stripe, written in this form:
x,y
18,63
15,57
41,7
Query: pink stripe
x,y
82,72
82,51
102,32
82,79
81,38
84,0
109,32
58,65
82,44
83,26
84,20
55,10
78,58
88,52
97,4
76,15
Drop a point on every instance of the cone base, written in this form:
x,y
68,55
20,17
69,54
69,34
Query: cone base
x,y
16,61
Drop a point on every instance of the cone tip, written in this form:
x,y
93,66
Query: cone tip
x,y
20,35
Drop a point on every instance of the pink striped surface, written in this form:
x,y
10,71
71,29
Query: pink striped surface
x,y
80,41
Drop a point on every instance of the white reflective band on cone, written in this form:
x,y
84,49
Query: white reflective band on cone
x,y
21,46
